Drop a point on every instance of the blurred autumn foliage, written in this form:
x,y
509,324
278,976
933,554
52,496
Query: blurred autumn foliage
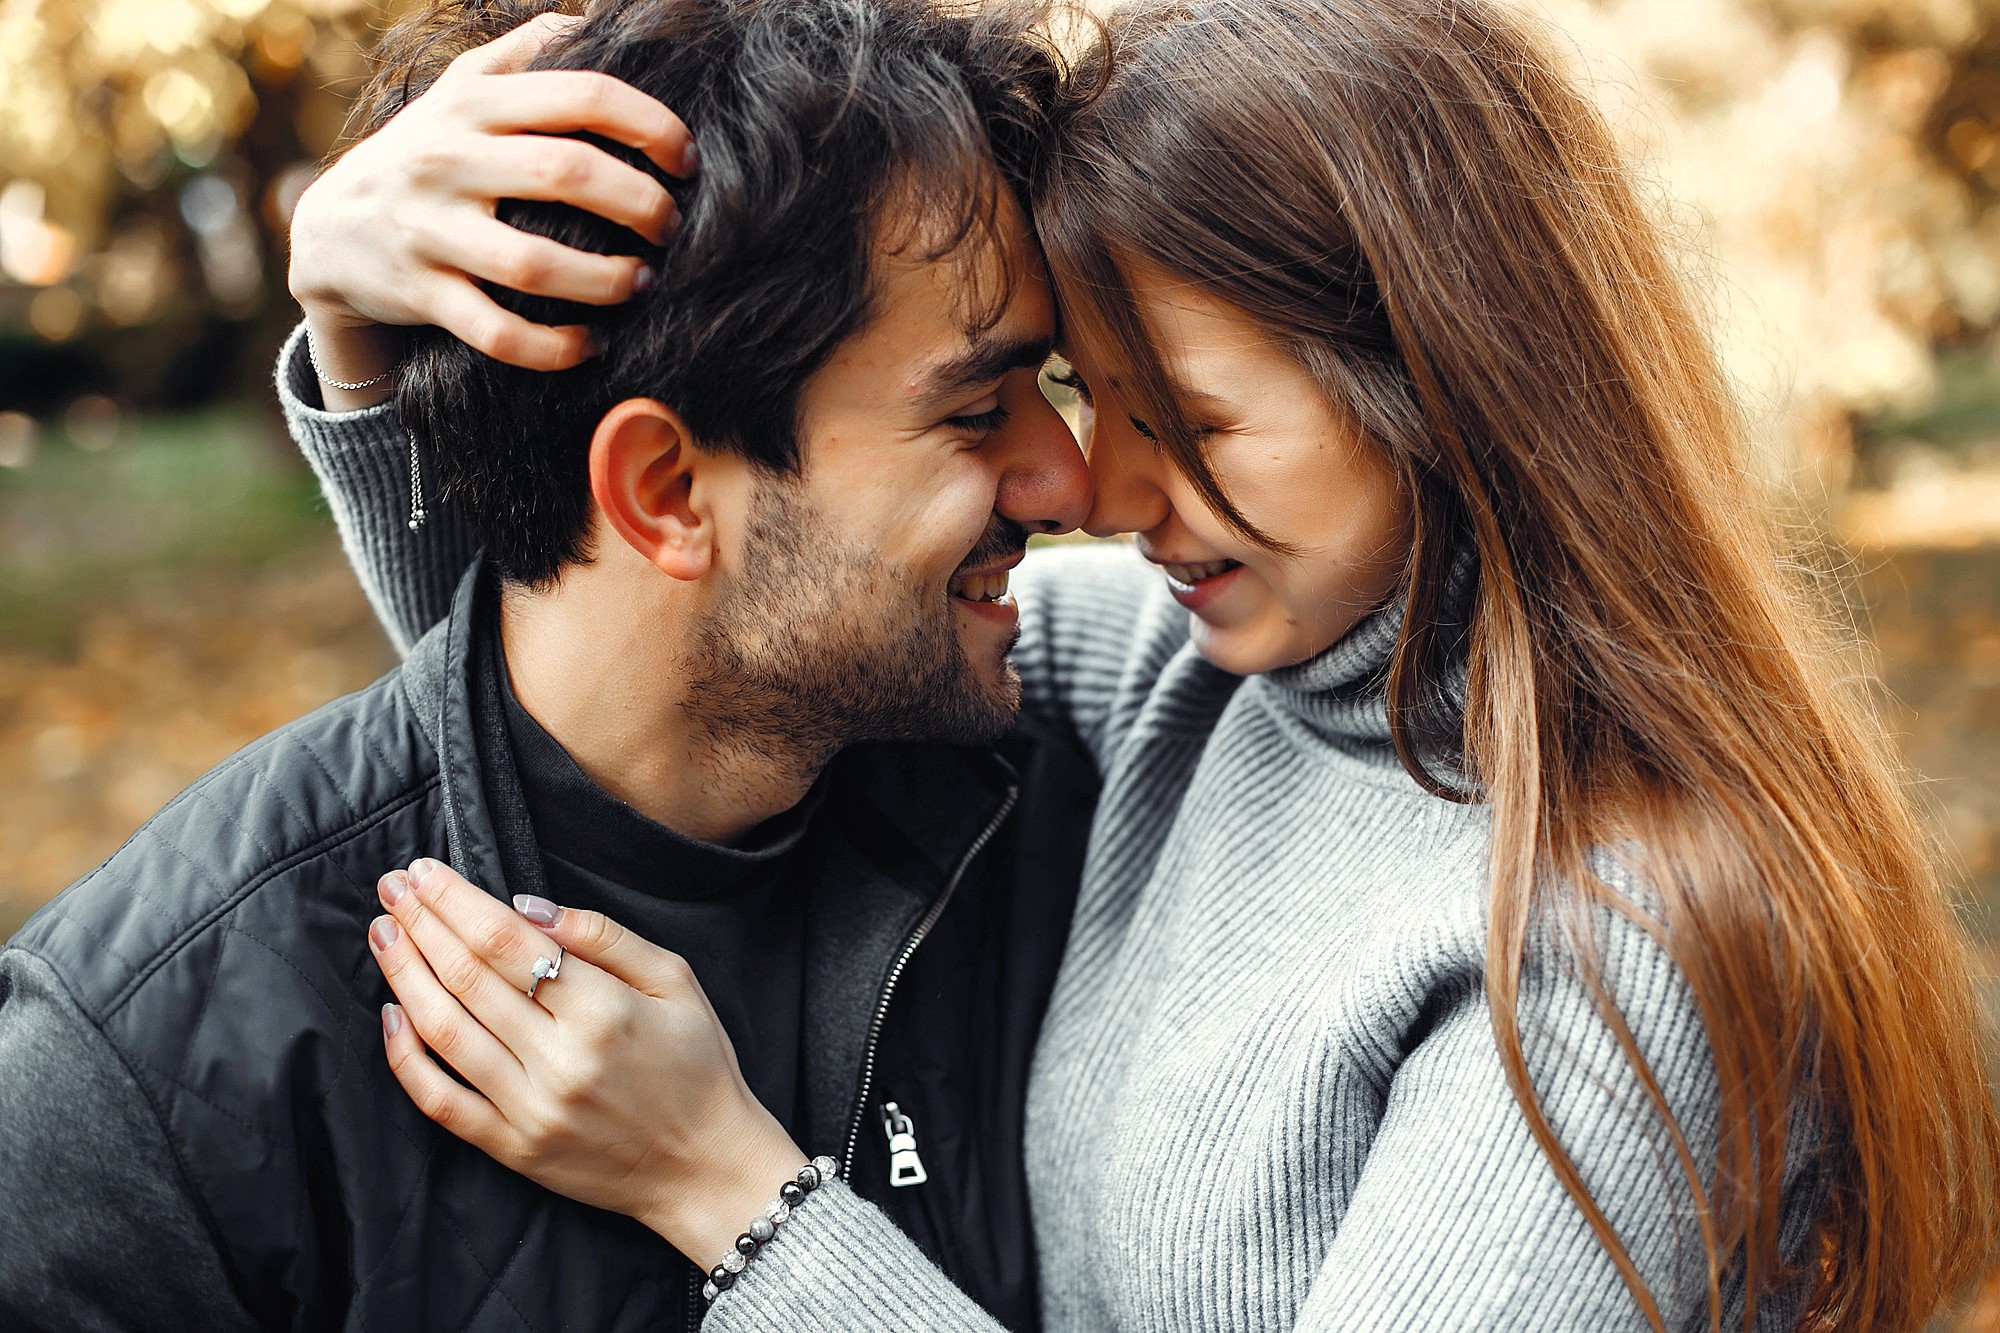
x,y
169,588
1838,164
151,152
1837,160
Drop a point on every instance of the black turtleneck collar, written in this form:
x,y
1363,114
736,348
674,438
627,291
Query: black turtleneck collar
x,y
578,822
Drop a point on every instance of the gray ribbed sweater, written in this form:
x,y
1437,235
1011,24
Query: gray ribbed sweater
x,y
1266,1094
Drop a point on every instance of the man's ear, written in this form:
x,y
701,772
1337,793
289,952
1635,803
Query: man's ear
x,y
643,475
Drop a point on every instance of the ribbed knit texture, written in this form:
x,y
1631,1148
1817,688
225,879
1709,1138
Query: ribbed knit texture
x,y
363,463
1267,1094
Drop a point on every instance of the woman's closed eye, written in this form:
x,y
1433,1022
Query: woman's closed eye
x,y
1070,380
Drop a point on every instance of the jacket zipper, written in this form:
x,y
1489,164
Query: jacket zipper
x,y
906,1164
916,937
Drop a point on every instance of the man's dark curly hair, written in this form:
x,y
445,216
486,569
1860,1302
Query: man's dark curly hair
x,y
813,116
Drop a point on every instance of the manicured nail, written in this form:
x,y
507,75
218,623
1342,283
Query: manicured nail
x,y
671,225
391,887
420,870
392,1020
538,910
642,279
691,158
383,933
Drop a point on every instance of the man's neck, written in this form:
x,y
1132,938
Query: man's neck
x,y
596,679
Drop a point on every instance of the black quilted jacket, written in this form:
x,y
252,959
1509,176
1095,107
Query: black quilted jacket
x,y
221,955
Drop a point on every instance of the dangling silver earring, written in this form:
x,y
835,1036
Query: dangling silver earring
x,y
417,512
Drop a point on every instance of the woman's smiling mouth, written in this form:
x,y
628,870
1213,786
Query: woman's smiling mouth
x,y
1186,578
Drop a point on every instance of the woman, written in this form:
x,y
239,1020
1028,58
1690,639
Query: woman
x,y
1500,912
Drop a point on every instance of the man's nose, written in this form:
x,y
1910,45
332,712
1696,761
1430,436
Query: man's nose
x,y
1044,482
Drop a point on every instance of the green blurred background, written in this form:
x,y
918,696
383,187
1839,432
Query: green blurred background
x,y
170,586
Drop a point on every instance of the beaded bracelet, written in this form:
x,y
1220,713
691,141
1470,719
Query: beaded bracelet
x,y
790,1195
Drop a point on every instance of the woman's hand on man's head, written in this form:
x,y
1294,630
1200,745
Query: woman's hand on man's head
x,y
398,228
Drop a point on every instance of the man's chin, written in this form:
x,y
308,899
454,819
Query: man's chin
x,y
991,703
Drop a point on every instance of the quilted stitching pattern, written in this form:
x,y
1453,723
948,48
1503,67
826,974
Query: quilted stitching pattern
x,y
221,951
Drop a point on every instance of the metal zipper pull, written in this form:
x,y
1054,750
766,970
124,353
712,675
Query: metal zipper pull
x,y
905,1167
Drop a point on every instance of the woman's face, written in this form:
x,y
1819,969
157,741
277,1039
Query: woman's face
x,y
1292,465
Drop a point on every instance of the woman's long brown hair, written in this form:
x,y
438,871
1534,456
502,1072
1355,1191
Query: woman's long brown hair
x,y
1415,200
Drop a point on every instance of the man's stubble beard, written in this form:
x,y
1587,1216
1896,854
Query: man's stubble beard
x,y
817,646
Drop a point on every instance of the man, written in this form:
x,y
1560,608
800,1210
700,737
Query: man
x,y
724,673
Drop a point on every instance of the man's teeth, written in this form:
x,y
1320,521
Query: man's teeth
x,y
1189,575
980,587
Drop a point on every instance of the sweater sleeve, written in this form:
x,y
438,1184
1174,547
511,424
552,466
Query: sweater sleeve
x,y
362,460
98,1232
841,1266
1458,1220
1096,628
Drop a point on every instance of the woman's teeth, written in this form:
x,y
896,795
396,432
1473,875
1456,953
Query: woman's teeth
x,y
1189,575
980,587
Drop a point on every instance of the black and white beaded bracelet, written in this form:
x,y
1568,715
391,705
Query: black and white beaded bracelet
x,y
790,1195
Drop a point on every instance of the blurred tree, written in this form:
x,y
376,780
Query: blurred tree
x,y
1839,161
1835,160
150,155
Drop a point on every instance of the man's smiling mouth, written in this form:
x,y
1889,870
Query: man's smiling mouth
x,y
982,576
986,587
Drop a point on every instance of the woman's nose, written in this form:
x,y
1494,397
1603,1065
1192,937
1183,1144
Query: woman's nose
x,y
1125,481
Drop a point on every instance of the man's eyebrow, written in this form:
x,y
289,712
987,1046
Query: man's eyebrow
x,y
987,360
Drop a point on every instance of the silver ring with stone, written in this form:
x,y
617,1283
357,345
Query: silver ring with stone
x,y
545,969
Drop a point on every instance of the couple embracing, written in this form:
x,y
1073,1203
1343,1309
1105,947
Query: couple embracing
x,y
1433,876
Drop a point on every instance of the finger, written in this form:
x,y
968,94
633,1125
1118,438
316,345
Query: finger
x,y
518,49
542,267
475,319
459,1039
558,100
477,949
597,939
442,1098
567,171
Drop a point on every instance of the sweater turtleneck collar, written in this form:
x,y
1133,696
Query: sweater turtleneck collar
x,y
1343,692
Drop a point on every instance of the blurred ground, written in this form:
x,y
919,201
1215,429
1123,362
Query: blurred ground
x,y
163,601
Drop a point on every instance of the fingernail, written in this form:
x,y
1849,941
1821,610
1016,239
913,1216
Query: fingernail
x,y
691,158
538,910
391,887
392,1020
642,279
420,870
671,225
383,933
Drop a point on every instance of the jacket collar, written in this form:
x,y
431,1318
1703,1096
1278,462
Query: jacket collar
x,y
439,675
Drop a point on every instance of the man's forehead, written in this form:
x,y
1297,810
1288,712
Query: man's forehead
x,y
966,317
